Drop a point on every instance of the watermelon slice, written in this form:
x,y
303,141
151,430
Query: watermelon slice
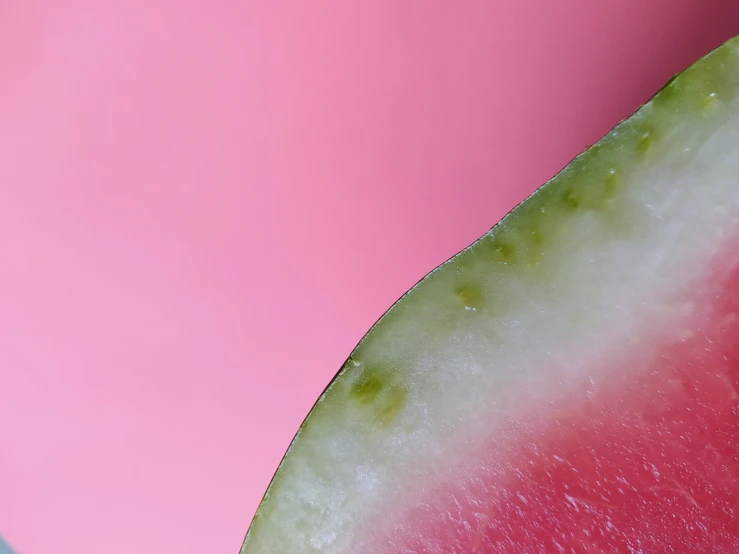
x,y
568,383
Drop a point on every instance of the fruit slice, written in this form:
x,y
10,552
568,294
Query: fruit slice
x,y
568,383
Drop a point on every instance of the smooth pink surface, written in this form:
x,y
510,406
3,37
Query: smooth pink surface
x,y
203,206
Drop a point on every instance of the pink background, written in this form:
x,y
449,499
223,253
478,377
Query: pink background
x,y
203,206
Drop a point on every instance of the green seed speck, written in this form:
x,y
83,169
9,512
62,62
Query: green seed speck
x,y
537,238
377,393
502,251
390,405
470,295
367,388
571,199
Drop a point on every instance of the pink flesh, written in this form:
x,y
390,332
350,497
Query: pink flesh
x,y
645,465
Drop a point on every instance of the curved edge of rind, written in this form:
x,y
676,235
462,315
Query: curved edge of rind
x,y
501,222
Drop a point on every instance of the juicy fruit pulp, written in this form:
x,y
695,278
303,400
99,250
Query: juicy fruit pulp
x,y
568,383
649,464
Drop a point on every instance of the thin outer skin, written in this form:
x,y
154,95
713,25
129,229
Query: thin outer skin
x,y
293,442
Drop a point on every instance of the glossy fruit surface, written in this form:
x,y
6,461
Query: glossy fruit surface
x,y
569,380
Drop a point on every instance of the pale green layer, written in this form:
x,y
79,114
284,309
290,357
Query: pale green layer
x,y
365,408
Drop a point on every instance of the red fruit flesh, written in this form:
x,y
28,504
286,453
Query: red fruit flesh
x,y
644,464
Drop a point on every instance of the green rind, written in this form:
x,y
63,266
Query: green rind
x,y
520,238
